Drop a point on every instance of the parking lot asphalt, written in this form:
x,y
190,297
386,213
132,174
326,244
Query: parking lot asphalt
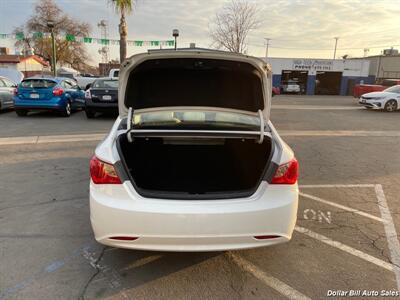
x,y
345,239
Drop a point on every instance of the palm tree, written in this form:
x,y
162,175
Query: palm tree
x,y
123,7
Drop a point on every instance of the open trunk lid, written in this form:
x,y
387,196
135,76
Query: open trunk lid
x,y
213,79
201,84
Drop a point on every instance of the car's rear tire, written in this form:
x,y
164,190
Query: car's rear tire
x,y
90,114
66,112
21,112
391,106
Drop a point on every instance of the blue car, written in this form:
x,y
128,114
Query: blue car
x,y
62,95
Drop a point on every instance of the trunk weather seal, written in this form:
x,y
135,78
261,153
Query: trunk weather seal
x,y
197,133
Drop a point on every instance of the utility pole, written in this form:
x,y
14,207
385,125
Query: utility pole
x,y
266,51
50,25
334,53
175,34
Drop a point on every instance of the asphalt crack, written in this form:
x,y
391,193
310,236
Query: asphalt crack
x,y
98,269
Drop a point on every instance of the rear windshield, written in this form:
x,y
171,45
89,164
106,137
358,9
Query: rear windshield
x,y
38,83
112,84
196,119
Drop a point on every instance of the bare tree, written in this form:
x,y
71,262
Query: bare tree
x,y
68,51
232,24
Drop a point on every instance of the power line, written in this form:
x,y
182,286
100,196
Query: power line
x,y
324,49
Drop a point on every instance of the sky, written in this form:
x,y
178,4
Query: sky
x,y
297,28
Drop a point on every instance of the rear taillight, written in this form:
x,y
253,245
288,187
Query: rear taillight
x,y
103,173
88,95
58,91
287,173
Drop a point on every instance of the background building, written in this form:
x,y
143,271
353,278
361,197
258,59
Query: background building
x,y
321,76
386,66
29,65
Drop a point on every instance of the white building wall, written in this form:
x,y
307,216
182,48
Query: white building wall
x,y
8,66
356,68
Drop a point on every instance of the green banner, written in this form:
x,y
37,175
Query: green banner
x,y
70,38
19,36
37,35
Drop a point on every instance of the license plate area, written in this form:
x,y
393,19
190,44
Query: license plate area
x,y
34,96
107,98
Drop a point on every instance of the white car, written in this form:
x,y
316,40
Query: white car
x,y
388,100
193,162
291,87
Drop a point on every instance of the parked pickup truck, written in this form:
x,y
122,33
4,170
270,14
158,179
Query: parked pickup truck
x,y
360,89
114,73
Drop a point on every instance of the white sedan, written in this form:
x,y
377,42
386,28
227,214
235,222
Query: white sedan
x,y
388,100
193,162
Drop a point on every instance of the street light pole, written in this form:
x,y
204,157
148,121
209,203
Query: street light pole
x,y
175,34
266,51
334,53
50,25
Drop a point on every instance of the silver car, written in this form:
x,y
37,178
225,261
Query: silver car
x,y
7,92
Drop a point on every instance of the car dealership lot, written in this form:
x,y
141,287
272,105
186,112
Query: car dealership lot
x,y
349,177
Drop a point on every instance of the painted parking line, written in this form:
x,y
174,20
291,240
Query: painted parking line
x,y
345,248
316,107
9,141
343,207
389,227
362,185
390,230
339,133
267,279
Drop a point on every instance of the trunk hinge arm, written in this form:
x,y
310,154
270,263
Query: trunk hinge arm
x,y
262,125
129,125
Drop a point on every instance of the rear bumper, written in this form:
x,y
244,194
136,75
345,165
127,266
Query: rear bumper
x,y
55,103
101,106
4,104
185,225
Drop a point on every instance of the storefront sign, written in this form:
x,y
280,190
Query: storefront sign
x,y
312,65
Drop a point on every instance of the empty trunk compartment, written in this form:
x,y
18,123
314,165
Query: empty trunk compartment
x,y
190,168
